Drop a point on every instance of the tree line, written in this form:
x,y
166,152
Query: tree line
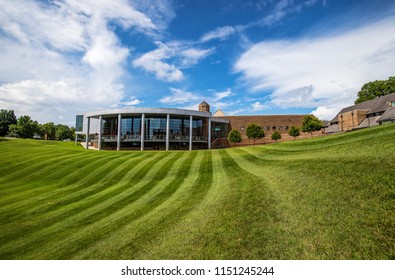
x,y
255,132
25,127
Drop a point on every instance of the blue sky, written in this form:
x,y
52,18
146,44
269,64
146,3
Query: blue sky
x,y
59,58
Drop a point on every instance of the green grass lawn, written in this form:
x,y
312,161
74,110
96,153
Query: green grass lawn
x,y
331,197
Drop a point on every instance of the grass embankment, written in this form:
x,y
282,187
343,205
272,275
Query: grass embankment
x,y
326,198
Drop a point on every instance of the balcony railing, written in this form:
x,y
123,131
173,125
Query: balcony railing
x,y
131,138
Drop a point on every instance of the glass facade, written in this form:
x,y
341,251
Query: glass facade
x,y
219,130
155,132
131,128
79,123
155,128
179,128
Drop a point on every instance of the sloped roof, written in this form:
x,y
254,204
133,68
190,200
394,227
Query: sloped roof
x,y
388,115
203,103
219,113
379,104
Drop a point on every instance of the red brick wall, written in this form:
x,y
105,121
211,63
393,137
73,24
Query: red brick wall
x,y
269,123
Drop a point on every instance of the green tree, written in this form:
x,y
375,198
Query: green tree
x,y
49,130
311,124
375,89
276,135
294,131
62,132
254,132
234,136
7,118
25,127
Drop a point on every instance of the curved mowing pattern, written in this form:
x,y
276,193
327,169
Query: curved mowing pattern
x,y
327,198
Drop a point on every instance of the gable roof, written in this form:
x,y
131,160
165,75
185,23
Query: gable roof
x,y
219,113
388,115
379,104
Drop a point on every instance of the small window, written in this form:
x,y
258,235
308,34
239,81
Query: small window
x,y
393,103
242,128
285,127
280,128
274,127
267,127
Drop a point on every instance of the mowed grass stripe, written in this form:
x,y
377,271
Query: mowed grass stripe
x,y
81,202
104,217
162,212
38,185
26,159
60,193
39,169
84,211
251,222
15,160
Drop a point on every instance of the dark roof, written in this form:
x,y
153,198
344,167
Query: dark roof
x,y
379,104
204,103
388,115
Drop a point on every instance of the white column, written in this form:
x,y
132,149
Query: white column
x,y
209,133
119,132
167,131
100,132
142,130
87,133
190,132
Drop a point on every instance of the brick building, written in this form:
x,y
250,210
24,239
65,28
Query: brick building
x,y
169,129
373,112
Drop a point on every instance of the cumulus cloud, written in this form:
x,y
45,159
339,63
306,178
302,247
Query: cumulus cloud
x,y
167,60
155,62
258,106
323,72
62,57
179,96
131,102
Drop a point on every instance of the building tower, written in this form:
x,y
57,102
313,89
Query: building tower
x,y
204,107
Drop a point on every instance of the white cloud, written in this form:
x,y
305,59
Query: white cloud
x,y
324,72
154,62
168,58
179,96
258,106
61,58
221,95
192,56
132,101
220,33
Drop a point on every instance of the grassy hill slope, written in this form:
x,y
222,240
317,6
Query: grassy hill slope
x,y
326,198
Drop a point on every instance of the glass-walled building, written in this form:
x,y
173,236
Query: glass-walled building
x,y
153,129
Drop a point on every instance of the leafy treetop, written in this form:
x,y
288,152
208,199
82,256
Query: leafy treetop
x,y
276,135
234,136
294,131
375,89
254,132
311,124
7,117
